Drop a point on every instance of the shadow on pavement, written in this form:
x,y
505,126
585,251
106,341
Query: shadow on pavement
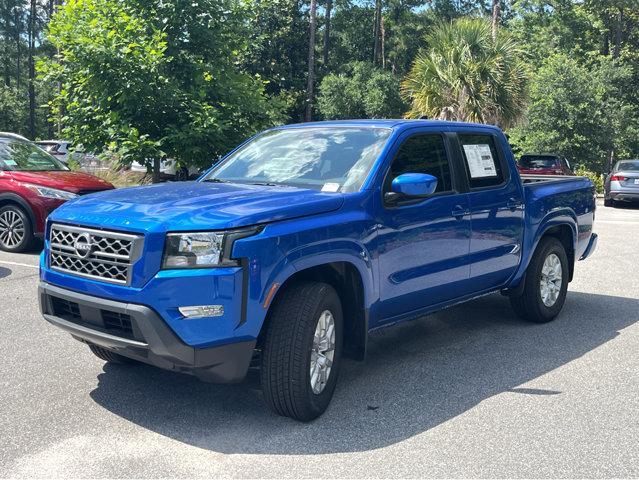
x,y
4,272
627,205
416,377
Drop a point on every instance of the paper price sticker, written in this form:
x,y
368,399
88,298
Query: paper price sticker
x,y
480,161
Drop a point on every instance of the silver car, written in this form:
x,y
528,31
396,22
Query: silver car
x,y
622,184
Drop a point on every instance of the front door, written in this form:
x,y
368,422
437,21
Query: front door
x,y
423,242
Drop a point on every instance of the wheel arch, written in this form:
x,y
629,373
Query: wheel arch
x,y
351,282
567,235
13,199
561,224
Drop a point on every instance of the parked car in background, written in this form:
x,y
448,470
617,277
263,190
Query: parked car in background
x,y
295,246
32,184
544,165
60,149
622,184
64,151
170,171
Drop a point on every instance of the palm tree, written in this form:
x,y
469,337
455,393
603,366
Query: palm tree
x,y
496,9
467,75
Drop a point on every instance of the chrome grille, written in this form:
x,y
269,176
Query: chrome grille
x,y
97,254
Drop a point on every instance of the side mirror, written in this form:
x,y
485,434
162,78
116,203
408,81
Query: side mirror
x,y
412,185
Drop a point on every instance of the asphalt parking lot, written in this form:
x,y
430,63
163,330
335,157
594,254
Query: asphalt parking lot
x,y
469,392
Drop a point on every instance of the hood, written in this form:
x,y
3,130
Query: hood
x,y
190,206
63,180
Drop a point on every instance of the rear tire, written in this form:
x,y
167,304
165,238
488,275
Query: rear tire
x,y
293,374
608,202
108,356
544,294
16,231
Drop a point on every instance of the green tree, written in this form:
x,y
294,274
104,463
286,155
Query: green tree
x,y
155,80
277,51
12,110
360,91
467,75
568,114
351,37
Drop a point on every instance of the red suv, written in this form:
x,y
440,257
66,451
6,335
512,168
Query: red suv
x,y
32,184
544,165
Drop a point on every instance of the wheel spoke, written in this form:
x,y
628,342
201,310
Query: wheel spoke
x,y
322,352
551,280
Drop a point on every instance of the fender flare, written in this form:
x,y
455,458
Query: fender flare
x,y
554,218
344,252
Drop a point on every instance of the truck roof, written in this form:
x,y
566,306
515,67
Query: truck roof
x,y
389,123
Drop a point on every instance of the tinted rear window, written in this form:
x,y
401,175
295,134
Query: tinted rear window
x,y
483,165
628,166
538,162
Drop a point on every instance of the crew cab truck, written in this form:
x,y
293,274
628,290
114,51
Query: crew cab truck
x,y
302,241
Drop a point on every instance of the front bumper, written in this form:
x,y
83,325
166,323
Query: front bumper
x,y
138,332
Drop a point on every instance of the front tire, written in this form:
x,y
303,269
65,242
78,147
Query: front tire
x,y
546,283
301,355
16,231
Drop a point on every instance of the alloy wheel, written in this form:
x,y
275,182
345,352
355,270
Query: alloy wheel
x,y
12,229
551,277
322,352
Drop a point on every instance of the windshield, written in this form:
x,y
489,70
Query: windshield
x,y
331,159
27,157
631,166
537,162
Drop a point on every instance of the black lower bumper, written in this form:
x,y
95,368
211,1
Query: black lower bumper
x,y
137,332
625,196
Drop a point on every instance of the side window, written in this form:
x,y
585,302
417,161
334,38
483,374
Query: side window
x,y
422,154
483,165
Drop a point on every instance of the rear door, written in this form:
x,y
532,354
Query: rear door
x,y
496,209
423,242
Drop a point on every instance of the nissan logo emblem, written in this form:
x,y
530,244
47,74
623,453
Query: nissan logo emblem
x,y
83,245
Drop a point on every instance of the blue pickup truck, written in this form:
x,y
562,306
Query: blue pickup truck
x,y
287,253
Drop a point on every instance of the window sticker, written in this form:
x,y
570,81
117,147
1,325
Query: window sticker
x,y
330,187
480,161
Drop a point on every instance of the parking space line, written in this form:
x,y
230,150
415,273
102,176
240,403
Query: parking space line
x,y
617,222
4,262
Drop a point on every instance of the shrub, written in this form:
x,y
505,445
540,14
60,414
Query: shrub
x,y
597,179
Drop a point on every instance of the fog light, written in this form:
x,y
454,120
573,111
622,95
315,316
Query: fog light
x,y
202,311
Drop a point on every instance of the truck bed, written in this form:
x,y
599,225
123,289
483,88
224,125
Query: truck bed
x,y
525,178
569,196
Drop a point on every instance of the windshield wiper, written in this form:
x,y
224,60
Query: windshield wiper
x,y
267,184
215,180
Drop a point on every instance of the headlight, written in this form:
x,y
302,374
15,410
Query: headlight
x,y
193,250
50,192
203,249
